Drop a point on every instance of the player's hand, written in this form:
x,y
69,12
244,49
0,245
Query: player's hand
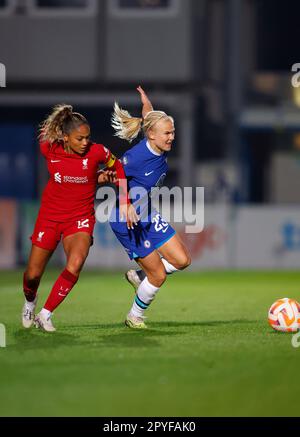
x,y
147,105
128,214
107,176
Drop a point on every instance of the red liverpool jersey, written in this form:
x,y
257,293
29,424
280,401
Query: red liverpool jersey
x,y
70,191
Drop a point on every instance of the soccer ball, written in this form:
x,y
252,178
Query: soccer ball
x,y
284,315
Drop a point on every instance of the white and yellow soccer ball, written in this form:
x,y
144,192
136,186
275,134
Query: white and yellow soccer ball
x,y
284,315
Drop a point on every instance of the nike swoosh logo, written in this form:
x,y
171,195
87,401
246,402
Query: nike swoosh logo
x,y
148,174
62,295
54,161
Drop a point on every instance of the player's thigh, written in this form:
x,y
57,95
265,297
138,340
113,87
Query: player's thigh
x,y
76,244
175,252
77,240
153,268
76,247
37,262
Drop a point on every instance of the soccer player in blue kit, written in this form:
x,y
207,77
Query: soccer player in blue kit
x,y
152,243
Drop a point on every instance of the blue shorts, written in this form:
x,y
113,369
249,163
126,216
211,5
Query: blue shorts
x,y
145,237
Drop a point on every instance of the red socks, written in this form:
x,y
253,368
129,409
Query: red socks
x,y
30,288
62,287
60,290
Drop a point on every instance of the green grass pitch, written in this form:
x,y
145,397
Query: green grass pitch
x,y
208,350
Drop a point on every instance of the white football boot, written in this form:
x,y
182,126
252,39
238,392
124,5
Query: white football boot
x,y
134,322
133,279
44,323
28,313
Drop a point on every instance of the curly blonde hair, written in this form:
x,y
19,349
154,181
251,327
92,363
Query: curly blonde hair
x,y
60,122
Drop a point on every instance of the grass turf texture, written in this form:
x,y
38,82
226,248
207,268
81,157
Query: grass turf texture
x,y
208,350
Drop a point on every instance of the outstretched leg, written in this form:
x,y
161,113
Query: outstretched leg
x,y
37,262
147,290
76,247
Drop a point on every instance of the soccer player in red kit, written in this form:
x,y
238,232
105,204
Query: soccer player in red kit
x,y
67,208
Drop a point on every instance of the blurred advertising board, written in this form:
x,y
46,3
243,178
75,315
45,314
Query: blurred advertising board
x,y
210,248
239,237
267,237
8,233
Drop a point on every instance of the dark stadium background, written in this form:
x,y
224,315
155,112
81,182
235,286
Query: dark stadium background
x,y
222,68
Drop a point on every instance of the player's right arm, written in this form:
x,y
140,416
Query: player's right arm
x,y
147,105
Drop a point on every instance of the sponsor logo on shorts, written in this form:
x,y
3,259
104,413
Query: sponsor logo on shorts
x,y
41,234
147,244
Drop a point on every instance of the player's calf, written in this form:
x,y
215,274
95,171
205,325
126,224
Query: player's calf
x,y
31,282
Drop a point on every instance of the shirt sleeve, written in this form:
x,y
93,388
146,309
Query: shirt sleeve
x,y
112,163
44,148
129,164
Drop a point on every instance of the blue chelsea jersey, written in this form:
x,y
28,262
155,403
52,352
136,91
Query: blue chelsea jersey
x,y
145,169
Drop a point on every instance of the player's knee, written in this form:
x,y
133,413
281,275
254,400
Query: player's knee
x,y
158,278
185,262
75,264
33,275
188,261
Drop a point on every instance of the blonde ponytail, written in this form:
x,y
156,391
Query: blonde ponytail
x,y
128,127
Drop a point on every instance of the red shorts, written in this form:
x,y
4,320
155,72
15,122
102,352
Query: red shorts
x,y
47,234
